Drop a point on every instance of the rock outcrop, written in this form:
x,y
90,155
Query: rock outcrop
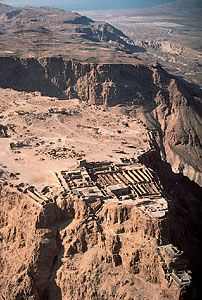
x,y
169,105
184,217
28,247
78,249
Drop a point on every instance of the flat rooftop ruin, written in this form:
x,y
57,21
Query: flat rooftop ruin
x,y
128,182
174,266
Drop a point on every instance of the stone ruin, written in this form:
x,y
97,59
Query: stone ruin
x,y
173,266
125,182
3,130
129,182
132,183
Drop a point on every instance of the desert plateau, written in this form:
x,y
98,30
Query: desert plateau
x,y
101,153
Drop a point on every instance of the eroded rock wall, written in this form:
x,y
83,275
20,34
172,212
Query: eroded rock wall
x,y
184,215
28,246
169,105
81,250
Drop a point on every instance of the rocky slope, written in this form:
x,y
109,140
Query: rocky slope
x,y
5,8
73,249
44,31
28,247
163,102
60,244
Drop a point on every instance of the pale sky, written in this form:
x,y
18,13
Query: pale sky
x,y
82,4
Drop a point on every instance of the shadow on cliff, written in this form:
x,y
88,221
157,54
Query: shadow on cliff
x,y
54,291
185,87
64,218
55,219
183,226
109,84
30,76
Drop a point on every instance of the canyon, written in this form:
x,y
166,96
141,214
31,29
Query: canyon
x,y
164,102
100,168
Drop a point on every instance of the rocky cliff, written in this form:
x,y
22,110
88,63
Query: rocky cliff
x,y
28,247
76,249
168,104
184,217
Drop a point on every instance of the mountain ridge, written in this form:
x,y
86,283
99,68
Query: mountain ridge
x,y
61,28
101,175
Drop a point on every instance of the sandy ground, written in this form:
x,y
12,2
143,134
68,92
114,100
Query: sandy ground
x,y
50,135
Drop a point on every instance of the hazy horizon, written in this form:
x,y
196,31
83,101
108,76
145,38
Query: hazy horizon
x,y
89,4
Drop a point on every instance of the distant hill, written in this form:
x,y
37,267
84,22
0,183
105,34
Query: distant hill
x,y
5,8
53,29
185,4
180,6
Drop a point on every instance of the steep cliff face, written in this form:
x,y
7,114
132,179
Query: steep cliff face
x,y
75,249
184,217
170,105
178,120
28,247
104,251
108,84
